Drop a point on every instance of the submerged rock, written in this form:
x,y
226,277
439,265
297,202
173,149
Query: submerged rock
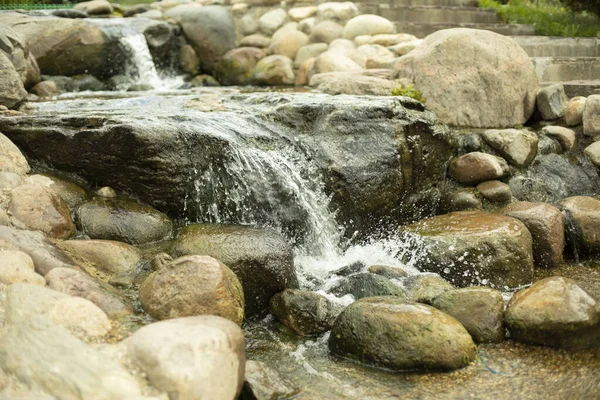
x,y
263,383
473,247
305,313
397,334
478,309
193,285
191,358
554,312
260,258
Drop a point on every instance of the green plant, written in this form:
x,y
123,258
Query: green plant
x,y
408,91
549,17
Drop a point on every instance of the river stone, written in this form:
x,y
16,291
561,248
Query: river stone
x,y
476,167
547,227
284,31
299,13
425,288
188,59
349,269
554,312
191,358
87,82
273,70
136,9
46,89
495,191
16,48
289,44
105,256
342,46
389,40
334,62
404,48
248,24
574,111
342,83
473,78
366,285
209,29
106,191
42,354
582,215
478,309
123,220
552,101
591,116
260,258
367,24
461,200
565,136
41,209
17,267
263,383
308,51
593,153
326,32
303,71
257,40
548,145
71,193
11,158
306,313
474,247
12,91
94,7
237,65
376,55
80,284
397,334
306,25
517,147
193,285
272,20
45,255
9,180
388,271
337,11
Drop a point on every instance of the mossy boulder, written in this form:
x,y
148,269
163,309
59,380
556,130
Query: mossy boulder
x,y
397,334
426,288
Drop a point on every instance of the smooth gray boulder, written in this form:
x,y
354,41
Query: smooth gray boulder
x,y
12,91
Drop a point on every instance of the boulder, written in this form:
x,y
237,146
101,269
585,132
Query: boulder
x,y
260,258
547,227
397,334
16,49
495,191
122,220
473,78
474,247
337,11
12,91
193,285
552,101
425,288
591,116
343,83
582,216
478,309
461,200
11,158
42,354
209,29
593,153
103,256
574,111
272,20
81,317
80,284
367,24
326,32
299,13
516,146
17,267
273,70
39,208
306,313
308,51
46,89
565,136
366,285
94,7
263,383
388,271
45,255
554,312
289,44
191,358
237,65
476,167
188,59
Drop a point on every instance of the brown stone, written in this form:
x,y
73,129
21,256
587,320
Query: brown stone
x,y
476,167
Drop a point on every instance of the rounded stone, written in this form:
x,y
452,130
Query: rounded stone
x,y
400,335
289,44
574,111
17,267
272,20
518,147
583,214
273,70
367,24
565,136
326,32
425,288
105,256
366,285
309,51
495,191
193,285
473,168
11,158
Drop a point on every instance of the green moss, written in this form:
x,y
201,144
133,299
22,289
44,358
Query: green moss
x,y
408,91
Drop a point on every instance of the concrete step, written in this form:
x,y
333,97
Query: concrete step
x,y
578,88
438,14
454,3
548,46
420,29
562,69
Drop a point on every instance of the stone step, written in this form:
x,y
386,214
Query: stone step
x,y
578,88
438,14
562,69
420,29
454,3
547,46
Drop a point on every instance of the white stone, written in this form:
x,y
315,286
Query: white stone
x,y
272,20
337,11
300,13
17,267
367,24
